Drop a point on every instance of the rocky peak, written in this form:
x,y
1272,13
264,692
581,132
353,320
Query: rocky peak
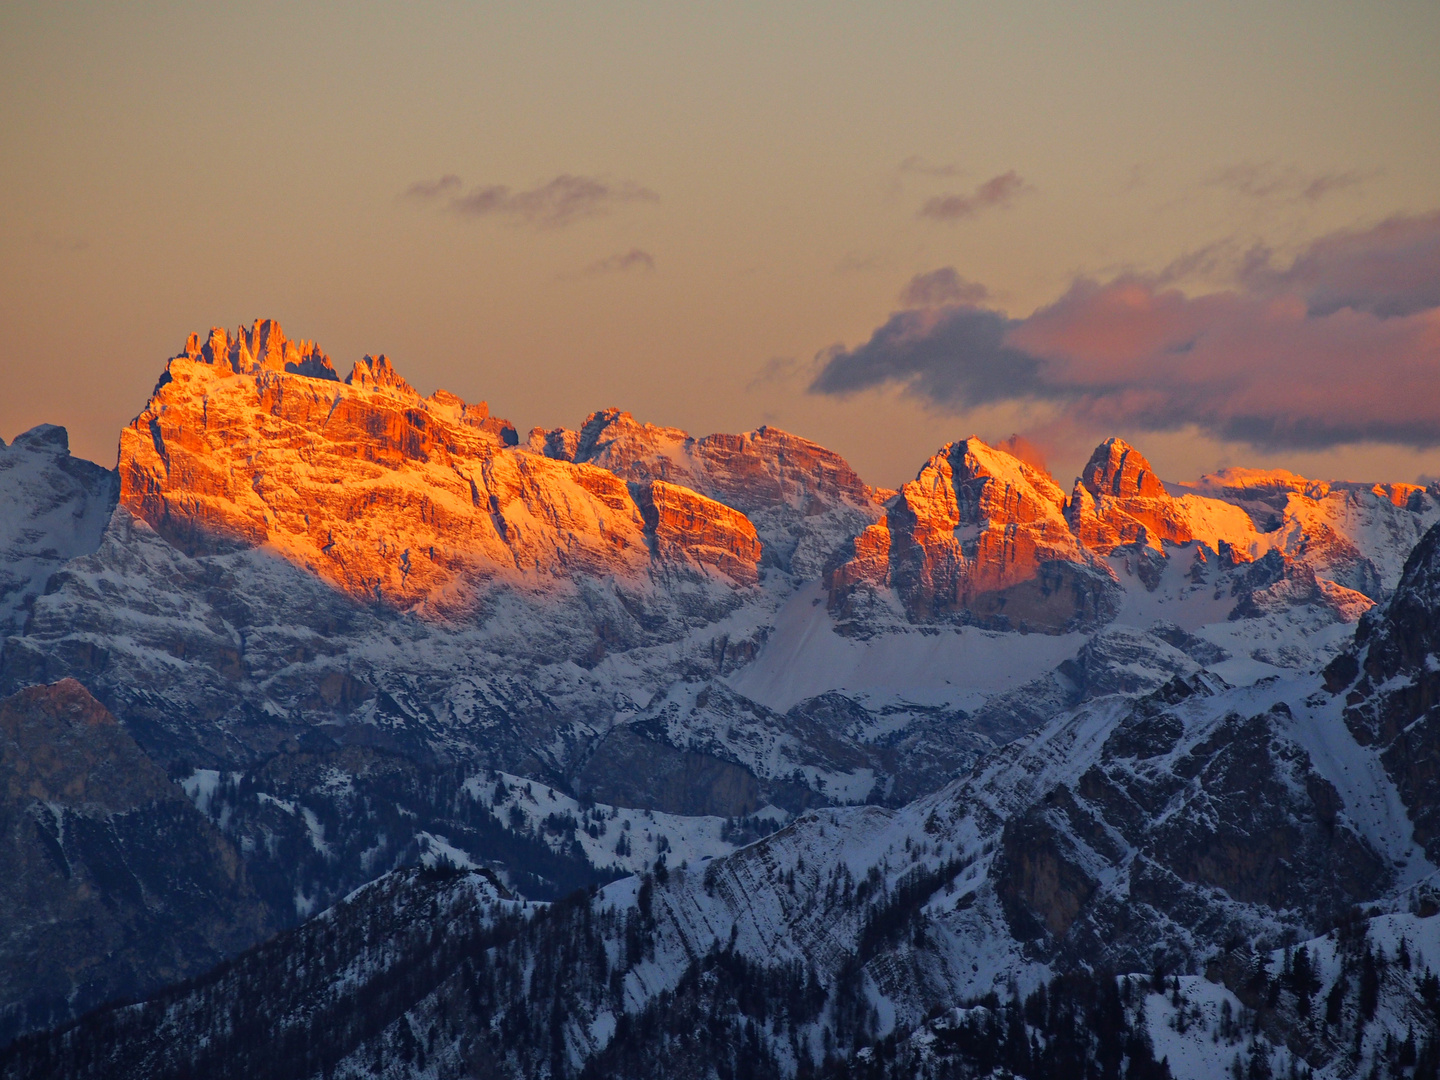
x,y
805,501
54,509
979,535
46,438
558,443
615,440
1391,678
1119,470
263,347
417,503
1401,638
377,373
995,488
1118,500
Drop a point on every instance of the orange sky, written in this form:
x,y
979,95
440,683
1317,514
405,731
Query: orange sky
x,y
748,186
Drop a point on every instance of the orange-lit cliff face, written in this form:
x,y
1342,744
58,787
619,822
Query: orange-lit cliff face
x,y
254,441
1119,500
804,500
983,532
423,503
980,533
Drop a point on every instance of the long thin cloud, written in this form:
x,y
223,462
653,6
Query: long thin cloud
x,y
636,259
1264,180
558,202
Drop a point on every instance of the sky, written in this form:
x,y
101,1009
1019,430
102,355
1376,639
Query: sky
x,y
1209,228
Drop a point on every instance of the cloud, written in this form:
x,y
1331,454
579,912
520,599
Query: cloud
x,y
779,371
998,191
1390,270
553,204
429,190
1342,346
950,356
1265,180
1032,453
941,287
634,259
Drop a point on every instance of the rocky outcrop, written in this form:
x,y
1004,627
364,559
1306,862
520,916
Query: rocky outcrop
x,y
980,536
1119,500
984,537
1354,535
114,884
1193,824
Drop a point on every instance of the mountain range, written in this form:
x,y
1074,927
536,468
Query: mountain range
x,y
614,751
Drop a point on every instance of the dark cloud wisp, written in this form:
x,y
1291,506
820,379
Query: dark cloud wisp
x,y
957,356
941,287
635,259
429,190
998,191
1392,269
1264,180
558,202
1343,346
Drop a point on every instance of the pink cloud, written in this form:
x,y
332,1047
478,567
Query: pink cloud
x,y
1263,363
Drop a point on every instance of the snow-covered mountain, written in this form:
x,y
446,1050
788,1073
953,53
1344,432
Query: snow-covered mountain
x,y
1243,857
1010,733
53,508
294,554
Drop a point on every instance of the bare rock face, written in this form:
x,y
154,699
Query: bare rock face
x,y
984,537
980,535
1119,500
414,502
1189,827
805,501
1352,534
114,884
686,525
1118,470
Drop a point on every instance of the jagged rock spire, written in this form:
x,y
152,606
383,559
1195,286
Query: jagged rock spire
x,y
1119,470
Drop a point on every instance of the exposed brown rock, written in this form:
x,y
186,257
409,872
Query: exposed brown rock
x,y
1119,500
1117,469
